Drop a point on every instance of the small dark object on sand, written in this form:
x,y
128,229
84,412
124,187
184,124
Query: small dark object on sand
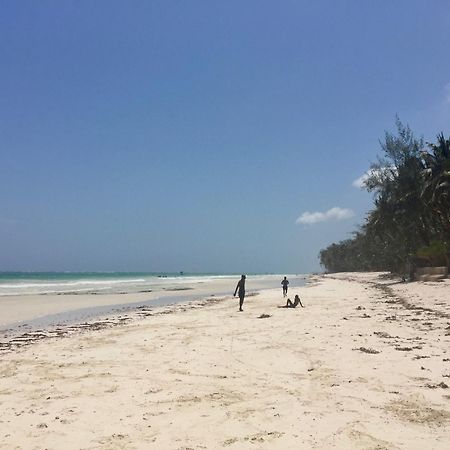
x,y
434,386
382,334
391,318
264,316
367,350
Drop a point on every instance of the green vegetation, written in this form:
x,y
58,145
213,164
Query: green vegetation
x,y
409,225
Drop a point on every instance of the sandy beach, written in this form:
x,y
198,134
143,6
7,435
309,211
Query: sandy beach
x,y
365,365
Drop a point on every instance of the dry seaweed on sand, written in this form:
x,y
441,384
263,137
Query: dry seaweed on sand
x,y
438,385
367,350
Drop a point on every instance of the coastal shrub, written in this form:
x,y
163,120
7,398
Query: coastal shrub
x,y
433,255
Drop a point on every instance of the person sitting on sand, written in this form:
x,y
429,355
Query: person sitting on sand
x,y
294,304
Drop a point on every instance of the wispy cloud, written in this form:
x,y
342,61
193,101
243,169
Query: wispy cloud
x,y
336,213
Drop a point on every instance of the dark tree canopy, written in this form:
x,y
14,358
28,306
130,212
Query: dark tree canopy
x,y
410,222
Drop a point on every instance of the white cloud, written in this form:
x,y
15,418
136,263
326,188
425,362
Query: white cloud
x,y
336,213
360,182
382,172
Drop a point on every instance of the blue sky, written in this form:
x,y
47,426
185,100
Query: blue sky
x,y
173,135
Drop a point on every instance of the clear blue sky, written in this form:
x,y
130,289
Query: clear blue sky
x,y
191,135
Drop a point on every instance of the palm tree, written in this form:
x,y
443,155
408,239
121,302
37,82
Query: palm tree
x,y
436,186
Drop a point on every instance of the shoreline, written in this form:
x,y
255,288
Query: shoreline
x,y
104,311
21,335
18,309
366,364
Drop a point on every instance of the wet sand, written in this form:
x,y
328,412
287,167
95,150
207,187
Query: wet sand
x,y
365,365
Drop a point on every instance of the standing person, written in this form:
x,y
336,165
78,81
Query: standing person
x,y
241,288
285,284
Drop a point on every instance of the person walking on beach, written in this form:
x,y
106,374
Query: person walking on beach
x,y
240,288
285,284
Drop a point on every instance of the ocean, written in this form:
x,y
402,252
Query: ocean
x,y
63,283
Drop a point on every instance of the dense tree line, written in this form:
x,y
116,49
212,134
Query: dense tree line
x,y
410,223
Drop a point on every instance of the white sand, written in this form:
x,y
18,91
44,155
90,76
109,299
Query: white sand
x,y
211,377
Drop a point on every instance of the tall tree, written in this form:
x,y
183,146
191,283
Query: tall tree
x,y
400,217
436,187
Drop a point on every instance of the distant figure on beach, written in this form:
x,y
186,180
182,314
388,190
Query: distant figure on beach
x,y
285,284
240,288
289,304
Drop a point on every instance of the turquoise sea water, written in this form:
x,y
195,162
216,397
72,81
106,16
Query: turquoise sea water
x,y
28,283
